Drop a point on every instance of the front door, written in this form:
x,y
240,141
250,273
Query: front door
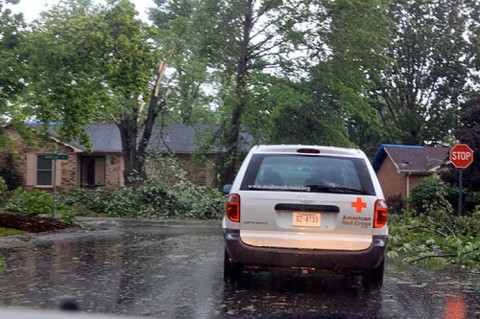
x,y
92,171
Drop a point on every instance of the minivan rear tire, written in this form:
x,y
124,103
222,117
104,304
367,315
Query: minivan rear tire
x,y
232,271
373,279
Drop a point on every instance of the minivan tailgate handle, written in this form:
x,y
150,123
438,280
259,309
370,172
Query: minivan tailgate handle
x,y
308,208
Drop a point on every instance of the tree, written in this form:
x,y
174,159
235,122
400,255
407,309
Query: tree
x,y
11,35
287,112
418,96
64,77
469,133
242,40
356,37
131,67
179,24
87,61
12,66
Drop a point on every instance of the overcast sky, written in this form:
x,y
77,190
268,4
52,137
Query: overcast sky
x,y
32,8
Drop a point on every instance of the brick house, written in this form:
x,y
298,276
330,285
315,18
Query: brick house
x,y
400,167
104,165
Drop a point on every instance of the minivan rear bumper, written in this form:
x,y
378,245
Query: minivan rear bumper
x,y
328,260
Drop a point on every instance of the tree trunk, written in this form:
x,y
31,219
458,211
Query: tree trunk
x,y
233,130
132,161
135,149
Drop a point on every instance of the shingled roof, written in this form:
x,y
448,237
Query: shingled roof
x,y
178,138
411,158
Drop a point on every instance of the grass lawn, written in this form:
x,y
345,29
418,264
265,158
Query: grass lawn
x,y
9,231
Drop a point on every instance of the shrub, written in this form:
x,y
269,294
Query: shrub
x,y
157,200
36,203
122,202
209,203
431,194
166,193
87,201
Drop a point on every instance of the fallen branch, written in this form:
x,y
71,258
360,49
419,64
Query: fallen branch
x,y
432,256
471,272
430,229
441,256
444,225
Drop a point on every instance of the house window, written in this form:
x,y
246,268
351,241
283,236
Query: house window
x,y
44,171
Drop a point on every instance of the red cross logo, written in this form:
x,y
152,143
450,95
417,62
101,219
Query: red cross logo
x,y
359,205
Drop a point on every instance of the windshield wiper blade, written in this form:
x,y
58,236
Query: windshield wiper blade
x,y
332,189
348,190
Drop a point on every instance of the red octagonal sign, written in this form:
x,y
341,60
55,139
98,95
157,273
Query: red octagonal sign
x,y
461,155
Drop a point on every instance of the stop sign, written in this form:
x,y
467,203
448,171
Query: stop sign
x,y
461,155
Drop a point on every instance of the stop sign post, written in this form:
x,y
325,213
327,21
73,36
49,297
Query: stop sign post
x,y
461,156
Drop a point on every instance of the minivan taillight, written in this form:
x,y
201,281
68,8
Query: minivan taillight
x,y
381,213
233,208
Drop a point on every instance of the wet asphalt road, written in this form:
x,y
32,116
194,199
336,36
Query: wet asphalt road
x,y
174,270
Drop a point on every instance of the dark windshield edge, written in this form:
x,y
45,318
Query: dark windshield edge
x,y
307,188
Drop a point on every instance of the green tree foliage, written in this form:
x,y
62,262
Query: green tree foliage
x,y
11,36
64,83
356,38
242,39
179,22
418,95
343,72
134,104
87,61
12,66
285,112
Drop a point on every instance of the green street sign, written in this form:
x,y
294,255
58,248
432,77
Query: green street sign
x,y
56,156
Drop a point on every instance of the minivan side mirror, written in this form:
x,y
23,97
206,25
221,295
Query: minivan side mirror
x,y
226,188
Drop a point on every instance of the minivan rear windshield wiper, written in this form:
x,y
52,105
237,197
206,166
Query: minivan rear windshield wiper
x,y
332,189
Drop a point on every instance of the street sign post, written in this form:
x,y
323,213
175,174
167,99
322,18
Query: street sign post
x,y
54,157
461,156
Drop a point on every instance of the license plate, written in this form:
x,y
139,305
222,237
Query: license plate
x,y
306,219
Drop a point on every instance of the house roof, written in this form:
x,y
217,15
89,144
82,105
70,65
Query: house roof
x,y
411,158
178,138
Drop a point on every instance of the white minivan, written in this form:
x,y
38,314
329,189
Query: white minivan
x,y
306,208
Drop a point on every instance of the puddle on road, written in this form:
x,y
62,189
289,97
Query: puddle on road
x,y
104,272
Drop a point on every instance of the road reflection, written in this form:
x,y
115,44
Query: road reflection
x,y
283,295
455,307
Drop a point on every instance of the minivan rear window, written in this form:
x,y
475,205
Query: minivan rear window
x,y
307,173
